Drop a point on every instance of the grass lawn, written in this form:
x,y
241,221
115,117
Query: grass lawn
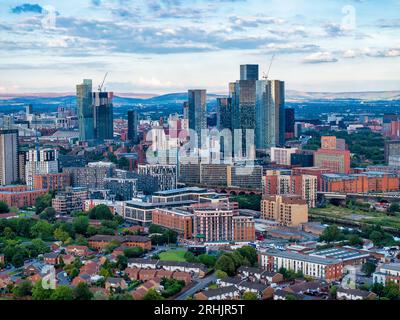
x,y
357,215
173,255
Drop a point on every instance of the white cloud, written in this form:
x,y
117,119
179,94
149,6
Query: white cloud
x,y
320,57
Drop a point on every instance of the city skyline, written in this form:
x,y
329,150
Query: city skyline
x,y
171,46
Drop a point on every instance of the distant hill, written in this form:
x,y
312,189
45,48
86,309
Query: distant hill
x,y
298,96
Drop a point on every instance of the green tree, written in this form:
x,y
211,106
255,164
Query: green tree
x,y
225,263
153,295
43,230
48,214
122,262
368,268
355,240
221,274
43,202
250,253
81,224
133,252
82,292
4,207
207,260
23,289
18,260
61,235
249,296
62,293
39,293
8,233
394,208
332,234
101,212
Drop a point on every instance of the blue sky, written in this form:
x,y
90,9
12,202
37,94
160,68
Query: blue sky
x,y
160,46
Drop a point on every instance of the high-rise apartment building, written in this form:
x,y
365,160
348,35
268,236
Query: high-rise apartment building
x,y
213,224
166,174
39,162
85,110
197,103
92,176
133,120
289,123
103,116
282,156
329,156
8,157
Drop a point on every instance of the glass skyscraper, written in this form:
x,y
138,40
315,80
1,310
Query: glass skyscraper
x,y
133,120
103,116
85,110
249,72
197,101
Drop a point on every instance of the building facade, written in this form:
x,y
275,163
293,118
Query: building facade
x,y
9,169
85,110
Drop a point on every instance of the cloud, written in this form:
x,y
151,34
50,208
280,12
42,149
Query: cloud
x,y
320,57
27,7
388,23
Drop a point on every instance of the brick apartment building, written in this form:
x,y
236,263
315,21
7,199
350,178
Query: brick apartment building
x,y
315,267
333,156
360,183
287,210
19,196
54,181
243,229
303,185
312,171
99,242
175,219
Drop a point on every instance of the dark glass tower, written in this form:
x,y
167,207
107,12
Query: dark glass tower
x,y
133,120
85,110
249,72
103,116
197,100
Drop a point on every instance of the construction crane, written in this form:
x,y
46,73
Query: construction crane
x,y
266,75
102,84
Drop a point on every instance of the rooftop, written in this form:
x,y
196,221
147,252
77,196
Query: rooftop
x,y
301,257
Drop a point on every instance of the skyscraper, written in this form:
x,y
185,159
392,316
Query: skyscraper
x,y
133,120
40,161
85,110
8,157
289,123
197,100
103,116
249,72
270,114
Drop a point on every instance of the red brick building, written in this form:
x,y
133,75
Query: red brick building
x,y
243,229
19,196
175,219
100,242
56,181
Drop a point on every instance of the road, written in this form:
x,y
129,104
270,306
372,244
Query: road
x,y
201,284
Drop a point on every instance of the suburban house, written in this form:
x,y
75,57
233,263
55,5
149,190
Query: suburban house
x,y
223,293
354,294
115,283
51,258
78,251
260,275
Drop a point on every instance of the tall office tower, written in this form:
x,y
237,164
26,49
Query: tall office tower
x,y
185,110
40,161
270,114
224,113
197,101
133,120
85,110
29,109
21,165
8,157
103,116
289,123
244,115
249,72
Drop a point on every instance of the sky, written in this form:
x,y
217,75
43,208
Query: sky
x,y
165,46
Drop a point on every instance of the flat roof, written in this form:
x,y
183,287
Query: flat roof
x,y
301,257
148,205
180,191
339,253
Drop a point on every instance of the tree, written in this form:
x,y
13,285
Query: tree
x,y
250,253
81,224
82,292
4,207
225,263
101,212
99,295
39,293
368,268
43,202
18,260
23,289
152,295
333,291
355,240
8,233
62,293
208,260
43,230
61,235
122,262
249,296
221,274
331,234
48,214
135,252
394,208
